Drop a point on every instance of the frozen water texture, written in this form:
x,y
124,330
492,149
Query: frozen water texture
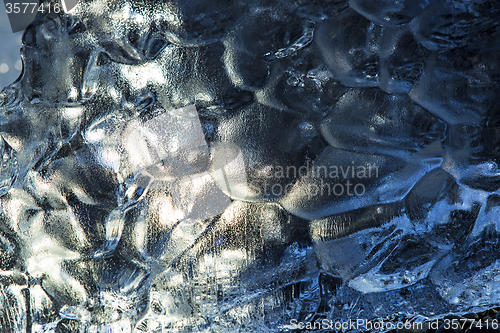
x,y
389,13
371,121
350,46
232,165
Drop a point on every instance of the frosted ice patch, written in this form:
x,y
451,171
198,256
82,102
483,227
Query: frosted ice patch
x,y
166,136
174,137
199,197
228,170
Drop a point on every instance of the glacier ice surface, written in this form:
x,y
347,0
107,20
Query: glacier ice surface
x,y
233,165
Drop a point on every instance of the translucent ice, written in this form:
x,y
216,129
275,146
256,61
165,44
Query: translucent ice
x,y
458,88
9,169
445,25
264,169
389,13
127,146
249,166
340,180
350,46
401,60
371,121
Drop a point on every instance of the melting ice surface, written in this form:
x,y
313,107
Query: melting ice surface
x,y
232,165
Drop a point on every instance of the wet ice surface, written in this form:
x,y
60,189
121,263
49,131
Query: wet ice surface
x,y
240,166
